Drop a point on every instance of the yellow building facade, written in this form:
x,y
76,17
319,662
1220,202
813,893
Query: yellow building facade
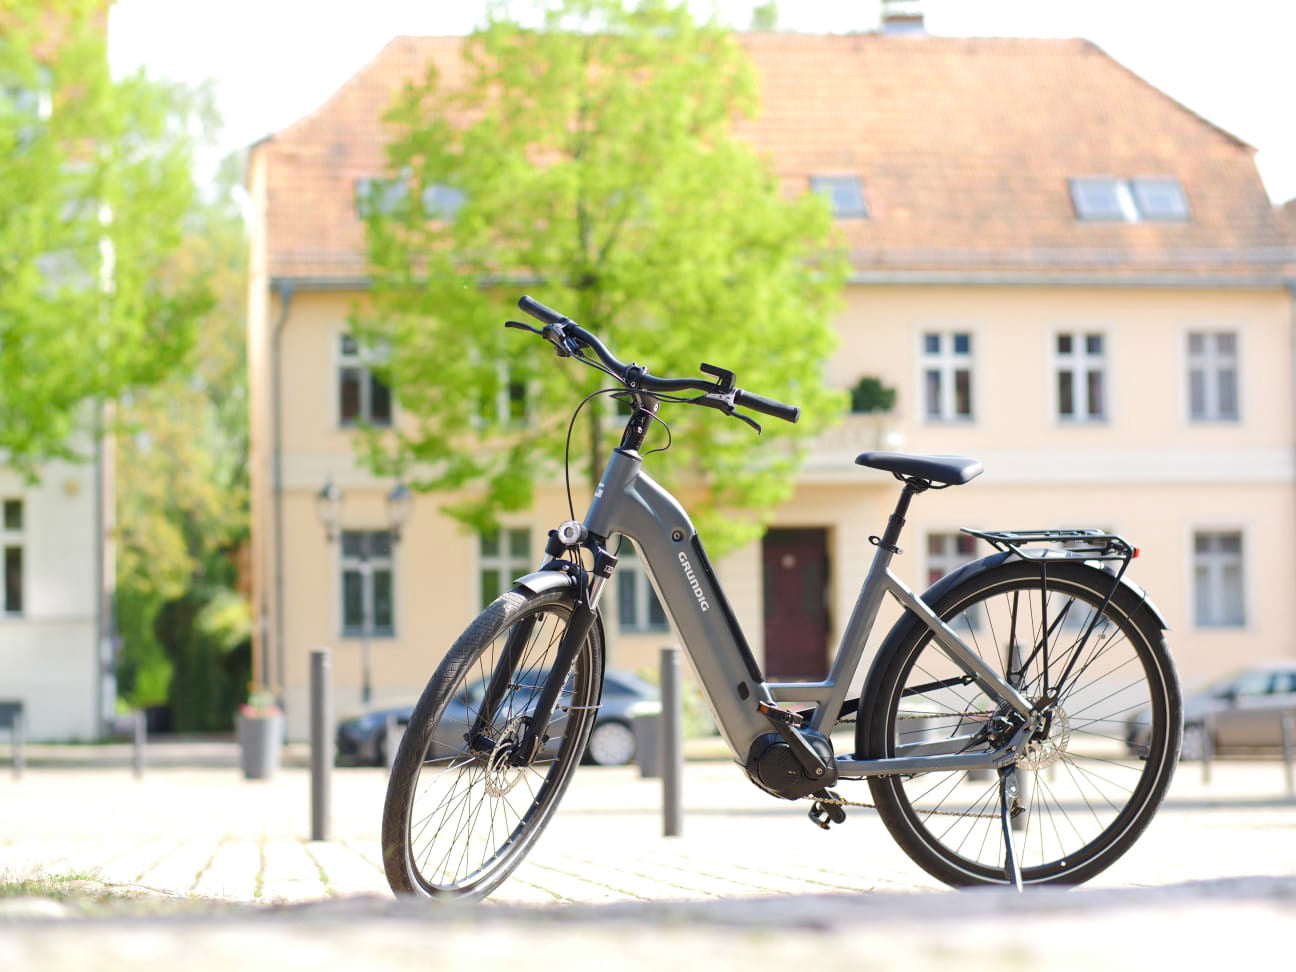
x,y
1137,378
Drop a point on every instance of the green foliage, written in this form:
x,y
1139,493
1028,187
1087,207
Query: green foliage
x,y
183,506
94,186
764,16
593,158
870,394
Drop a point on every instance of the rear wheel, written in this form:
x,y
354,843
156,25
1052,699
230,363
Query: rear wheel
x,y
459,816
1085,797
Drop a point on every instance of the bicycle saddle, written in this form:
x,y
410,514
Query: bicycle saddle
x,y
946,470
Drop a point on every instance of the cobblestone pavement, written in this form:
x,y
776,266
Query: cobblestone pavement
x,y
749,879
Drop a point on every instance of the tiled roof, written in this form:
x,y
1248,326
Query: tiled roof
x,y
964,148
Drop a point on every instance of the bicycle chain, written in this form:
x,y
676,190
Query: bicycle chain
x,y
843,802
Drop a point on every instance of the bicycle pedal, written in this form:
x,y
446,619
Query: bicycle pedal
x,y
823,815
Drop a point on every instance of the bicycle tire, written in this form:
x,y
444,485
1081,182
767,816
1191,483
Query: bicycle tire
x,y
458,820
1088,791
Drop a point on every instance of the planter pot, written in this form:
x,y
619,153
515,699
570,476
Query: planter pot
x,y
260,740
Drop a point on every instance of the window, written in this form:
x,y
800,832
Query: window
x,y
443,202
947,552
947,375
844,194
30,106
1080,361
637,606
11,542
1160,199
508,402
362,395
367,607
1213,376
387,196
1217,579
1107,199
504,555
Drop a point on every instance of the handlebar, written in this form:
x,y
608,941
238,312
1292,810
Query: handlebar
x,y
569,338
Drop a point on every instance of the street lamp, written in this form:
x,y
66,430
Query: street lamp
x,y
328,506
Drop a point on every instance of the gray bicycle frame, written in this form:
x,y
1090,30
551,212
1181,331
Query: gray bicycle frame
x,y
629,502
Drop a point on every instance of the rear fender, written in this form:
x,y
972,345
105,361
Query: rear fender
x,y
908,622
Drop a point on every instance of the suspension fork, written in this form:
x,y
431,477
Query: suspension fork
x,y
578,629
583,616
501,681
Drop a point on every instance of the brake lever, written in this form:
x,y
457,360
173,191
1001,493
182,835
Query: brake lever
x,y
524,327
724,402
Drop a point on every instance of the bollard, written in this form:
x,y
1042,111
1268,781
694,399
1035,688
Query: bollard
x,y
321,741
672,742
1288,727
140,738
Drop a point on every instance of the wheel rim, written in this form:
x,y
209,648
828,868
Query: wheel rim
x,y
611,744
472,813
1080,788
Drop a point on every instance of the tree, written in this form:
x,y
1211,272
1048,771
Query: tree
x,y
592,162
183,505
94,185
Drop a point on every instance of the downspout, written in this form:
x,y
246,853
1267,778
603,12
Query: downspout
x,y
284,290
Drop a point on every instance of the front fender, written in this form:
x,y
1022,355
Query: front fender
x,y
546,580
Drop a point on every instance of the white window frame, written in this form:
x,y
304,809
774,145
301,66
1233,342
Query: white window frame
x,y
1212,363
947,559
1079,362
365,566
362,359
509,565
845,195
1216,563
504,398
1131,198
630,565
11,538
947,362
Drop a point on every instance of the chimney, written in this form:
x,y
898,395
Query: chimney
x,y
902,17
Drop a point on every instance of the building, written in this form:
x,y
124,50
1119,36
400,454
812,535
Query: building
x,y
56,645
1060,270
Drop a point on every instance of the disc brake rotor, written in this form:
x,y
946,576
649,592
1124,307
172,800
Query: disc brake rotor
x,y
501,774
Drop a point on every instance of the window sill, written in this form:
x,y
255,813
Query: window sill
x,y
355,634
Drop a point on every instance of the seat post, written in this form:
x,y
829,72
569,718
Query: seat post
x,y
891,539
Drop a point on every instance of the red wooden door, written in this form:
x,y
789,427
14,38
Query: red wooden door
x,y
796,603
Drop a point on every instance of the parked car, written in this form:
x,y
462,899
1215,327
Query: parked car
x,y
1247,709
362,740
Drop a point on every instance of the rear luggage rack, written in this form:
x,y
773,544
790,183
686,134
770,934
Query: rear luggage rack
x,y
1087,544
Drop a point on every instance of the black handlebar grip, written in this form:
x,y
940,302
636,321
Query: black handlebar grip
x,y
758,403
539,311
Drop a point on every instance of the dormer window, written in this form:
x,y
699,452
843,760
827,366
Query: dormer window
x,y
386,196
844,194
1107,199
1160,199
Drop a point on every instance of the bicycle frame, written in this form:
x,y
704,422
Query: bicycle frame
x,y
629,502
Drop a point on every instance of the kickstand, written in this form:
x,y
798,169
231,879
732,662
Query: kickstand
x,y
1007,803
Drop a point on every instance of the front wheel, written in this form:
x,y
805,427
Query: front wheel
x,y
459,816
1088,792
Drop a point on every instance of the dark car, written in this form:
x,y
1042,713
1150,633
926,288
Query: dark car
x,y
363,739
1244,712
